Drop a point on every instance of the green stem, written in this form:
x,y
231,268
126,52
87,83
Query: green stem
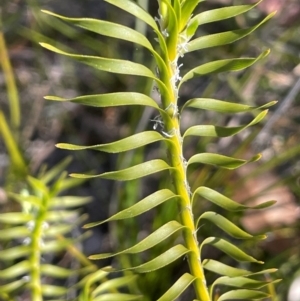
x,y
36,255
179,176
12,91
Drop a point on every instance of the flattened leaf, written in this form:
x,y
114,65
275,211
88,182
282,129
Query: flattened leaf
x,y
220,160
16,270
15,218
14,233
69,201
221,106
217,15
243,294
10,287
114,284
151,240
226,225
240,282
221,131
223,269
112,65
142,206
56,271
137,11
224,202
160,261
229,249
131,173
222,66
14,253
178,287
110,100
117,296
53,290
223,38
122,145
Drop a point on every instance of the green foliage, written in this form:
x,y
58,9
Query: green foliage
x,y
176,38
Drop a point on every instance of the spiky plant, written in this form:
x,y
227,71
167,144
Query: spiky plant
x,y
175,30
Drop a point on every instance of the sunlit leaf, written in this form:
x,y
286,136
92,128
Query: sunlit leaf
x,y
222,66
142,206
229,249
122,145
16,270
160,261
220,160
131,173
224,202
243,294
178,287
221,131
226,225
223,38
151,240
221,106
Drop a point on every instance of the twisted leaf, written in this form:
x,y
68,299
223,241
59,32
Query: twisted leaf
x,y
222,66
221,106
131,173
122,145
229,249
151,240
160,261
221,131
220,160
243,294
224,202
142,206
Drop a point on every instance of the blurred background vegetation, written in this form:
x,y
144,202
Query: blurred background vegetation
x,y
30,126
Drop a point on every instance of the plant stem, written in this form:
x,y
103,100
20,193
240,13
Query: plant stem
x,y
181,185
12,91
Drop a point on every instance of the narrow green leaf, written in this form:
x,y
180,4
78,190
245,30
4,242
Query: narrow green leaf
x,y
160,261
223,38
14,233
112,100
226,225
224,202
53,290
223,269
220,160
117,296
114,284
15,218
218,14
240,282
122,145
131,173
229,249
142,206
137,11
61,229
16,270
69,201
222,66
14,253
153,239
114,30
61,215
221,106
187,8
112,65
56,170
243,294
13,286
221,131
178,288
56,271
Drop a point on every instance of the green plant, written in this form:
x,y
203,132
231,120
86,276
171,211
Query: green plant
x,y
176,29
